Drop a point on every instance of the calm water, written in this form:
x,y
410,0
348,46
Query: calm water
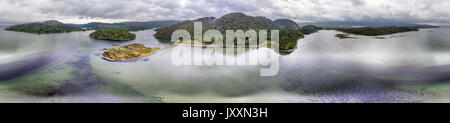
x,y
405,67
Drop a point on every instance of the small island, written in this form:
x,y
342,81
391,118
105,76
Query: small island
x,y
344,36
113,35
128,52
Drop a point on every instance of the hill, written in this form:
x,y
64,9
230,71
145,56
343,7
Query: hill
x,y
309,29
46,27
166,32
360,23
287,24
236,21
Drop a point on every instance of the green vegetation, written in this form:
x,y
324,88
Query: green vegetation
x,y
128,52
166,32
120,31
287,24
289,33
289,39
46,27
343,36
380,38
309,29
113,34
377,31
54,26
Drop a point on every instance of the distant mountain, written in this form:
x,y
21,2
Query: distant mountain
x,y
127,26
426,26
236,21
6,24
353,23
46,27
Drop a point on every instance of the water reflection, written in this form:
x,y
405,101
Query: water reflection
x,y
64,68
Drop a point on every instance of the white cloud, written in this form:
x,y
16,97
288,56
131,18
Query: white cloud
x,y
82,11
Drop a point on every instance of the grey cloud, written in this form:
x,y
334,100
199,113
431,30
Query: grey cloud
x,y
419,11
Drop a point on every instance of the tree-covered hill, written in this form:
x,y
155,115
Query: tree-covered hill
x,y
46,27
236,21
309,29
287,24
166,32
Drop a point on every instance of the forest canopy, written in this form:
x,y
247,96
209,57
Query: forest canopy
x,y
289,33
113,35
46,27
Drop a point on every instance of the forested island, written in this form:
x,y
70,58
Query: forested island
x,y
377,31
113,35
46,27
343,36
289,30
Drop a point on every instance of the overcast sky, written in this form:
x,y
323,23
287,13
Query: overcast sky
x,y
83,11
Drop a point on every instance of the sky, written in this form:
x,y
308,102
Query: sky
x,y
84,11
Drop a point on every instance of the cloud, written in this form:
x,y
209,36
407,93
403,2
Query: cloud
x,y
82,11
